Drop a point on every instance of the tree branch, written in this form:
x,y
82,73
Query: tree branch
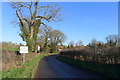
x,y
30,10
44,17
44,7
26,20
44,24
19,18
36,9
21,5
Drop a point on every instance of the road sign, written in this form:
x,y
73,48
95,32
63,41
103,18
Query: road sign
x,y
23,49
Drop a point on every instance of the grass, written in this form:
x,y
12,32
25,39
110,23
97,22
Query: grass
x,y
13,49
25,71
111,70
10,49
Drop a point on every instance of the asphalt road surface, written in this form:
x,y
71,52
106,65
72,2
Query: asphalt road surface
x,y
50,67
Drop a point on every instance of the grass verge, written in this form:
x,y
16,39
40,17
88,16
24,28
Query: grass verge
x,y
25,71
111,70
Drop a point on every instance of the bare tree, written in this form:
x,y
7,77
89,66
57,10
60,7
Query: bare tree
x,y
31,16
112,40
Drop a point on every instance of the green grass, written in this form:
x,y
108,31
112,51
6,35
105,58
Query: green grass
x,y
13,49
111,70
26,71
10,48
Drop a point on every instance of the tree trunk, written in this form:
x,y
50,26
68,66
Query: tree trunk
x,y
31,32
30,42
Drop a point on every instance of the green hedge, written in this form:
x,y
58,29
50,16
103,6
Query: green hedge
x,y
111,70
25,71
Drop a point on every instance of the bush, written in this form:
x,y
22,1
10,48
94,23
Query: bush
x,y
25,71
101,55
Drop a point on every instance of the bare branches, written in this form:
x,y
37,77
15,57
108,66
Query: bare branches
x,y
44,24
22,5
45,6
31,9
19,18
44,17
36,9
48,12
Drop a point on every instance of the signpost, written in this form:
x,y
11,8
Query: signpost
x,y
23,50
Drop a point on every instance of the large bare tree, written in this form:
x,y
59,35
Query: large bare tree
x,y
31,16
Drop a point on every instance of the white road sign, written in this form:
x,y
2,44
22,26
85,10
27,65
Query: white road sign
x,y
23,49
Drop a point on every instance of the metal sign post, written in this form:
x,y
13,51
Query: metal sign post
x,y
23,50
23,58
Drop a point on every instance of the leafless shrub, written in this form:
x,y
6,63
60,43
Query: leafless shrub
x,y
109,55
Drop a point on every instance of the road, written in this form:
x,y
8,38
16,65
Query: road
x,y
50,67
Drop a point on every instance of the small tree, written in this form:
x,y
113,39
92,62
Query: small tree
x,y
56,37
71,44
93,44
112,40
79,44
44,35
